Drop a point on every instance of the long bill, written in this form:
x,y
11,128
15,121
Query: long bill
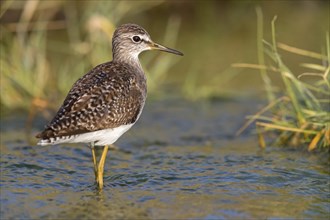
x,y
155,46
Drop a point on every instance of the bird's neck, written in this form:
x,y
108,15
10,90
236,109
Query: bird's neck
x,y
131,59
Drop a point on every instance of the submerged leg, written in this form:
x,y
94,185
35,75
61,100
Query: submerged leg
x,y
100,168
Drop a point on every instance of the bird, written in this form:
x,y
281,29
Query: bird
x,y
108,100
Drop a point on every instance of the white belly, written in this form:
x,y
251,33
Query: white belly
x,y
100,138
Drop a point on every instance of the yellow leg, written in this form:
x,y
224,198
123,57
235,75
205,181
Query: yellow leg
x,y
100,167
94,160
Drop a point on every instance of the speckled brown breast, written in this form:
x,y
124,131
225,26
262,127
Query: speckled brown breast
x,y
110,95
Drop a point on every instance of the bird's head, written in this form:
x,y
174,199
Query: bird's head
x,y
129,40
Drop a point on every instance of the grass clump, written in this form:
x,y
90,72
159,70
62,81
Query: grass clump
x,y
299,113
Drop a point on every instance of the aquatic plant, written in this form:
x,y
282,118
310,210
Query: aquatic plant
x,y
299,112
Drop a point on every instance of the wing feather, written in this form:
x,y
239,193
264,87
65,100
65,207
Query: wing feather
x,y
106,97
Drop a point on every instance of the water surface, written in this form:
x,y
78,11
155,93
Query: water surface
x,y
181,160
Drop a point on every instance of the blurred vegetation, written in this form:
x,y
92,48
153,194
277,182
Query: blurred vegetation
x,y
47,45
38,68
300,112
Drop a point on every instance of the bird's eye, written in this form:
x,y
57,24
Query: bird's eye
x,y
136,39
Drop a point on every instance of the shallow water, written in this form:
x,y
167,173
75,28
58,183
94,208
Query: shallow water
x,y
181,160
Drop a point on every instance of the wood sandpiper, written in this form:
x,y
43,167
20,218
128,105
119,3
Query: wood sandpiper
x,y
108,100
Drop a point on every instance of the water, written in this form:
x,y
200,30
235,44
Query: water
x,y
180,161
